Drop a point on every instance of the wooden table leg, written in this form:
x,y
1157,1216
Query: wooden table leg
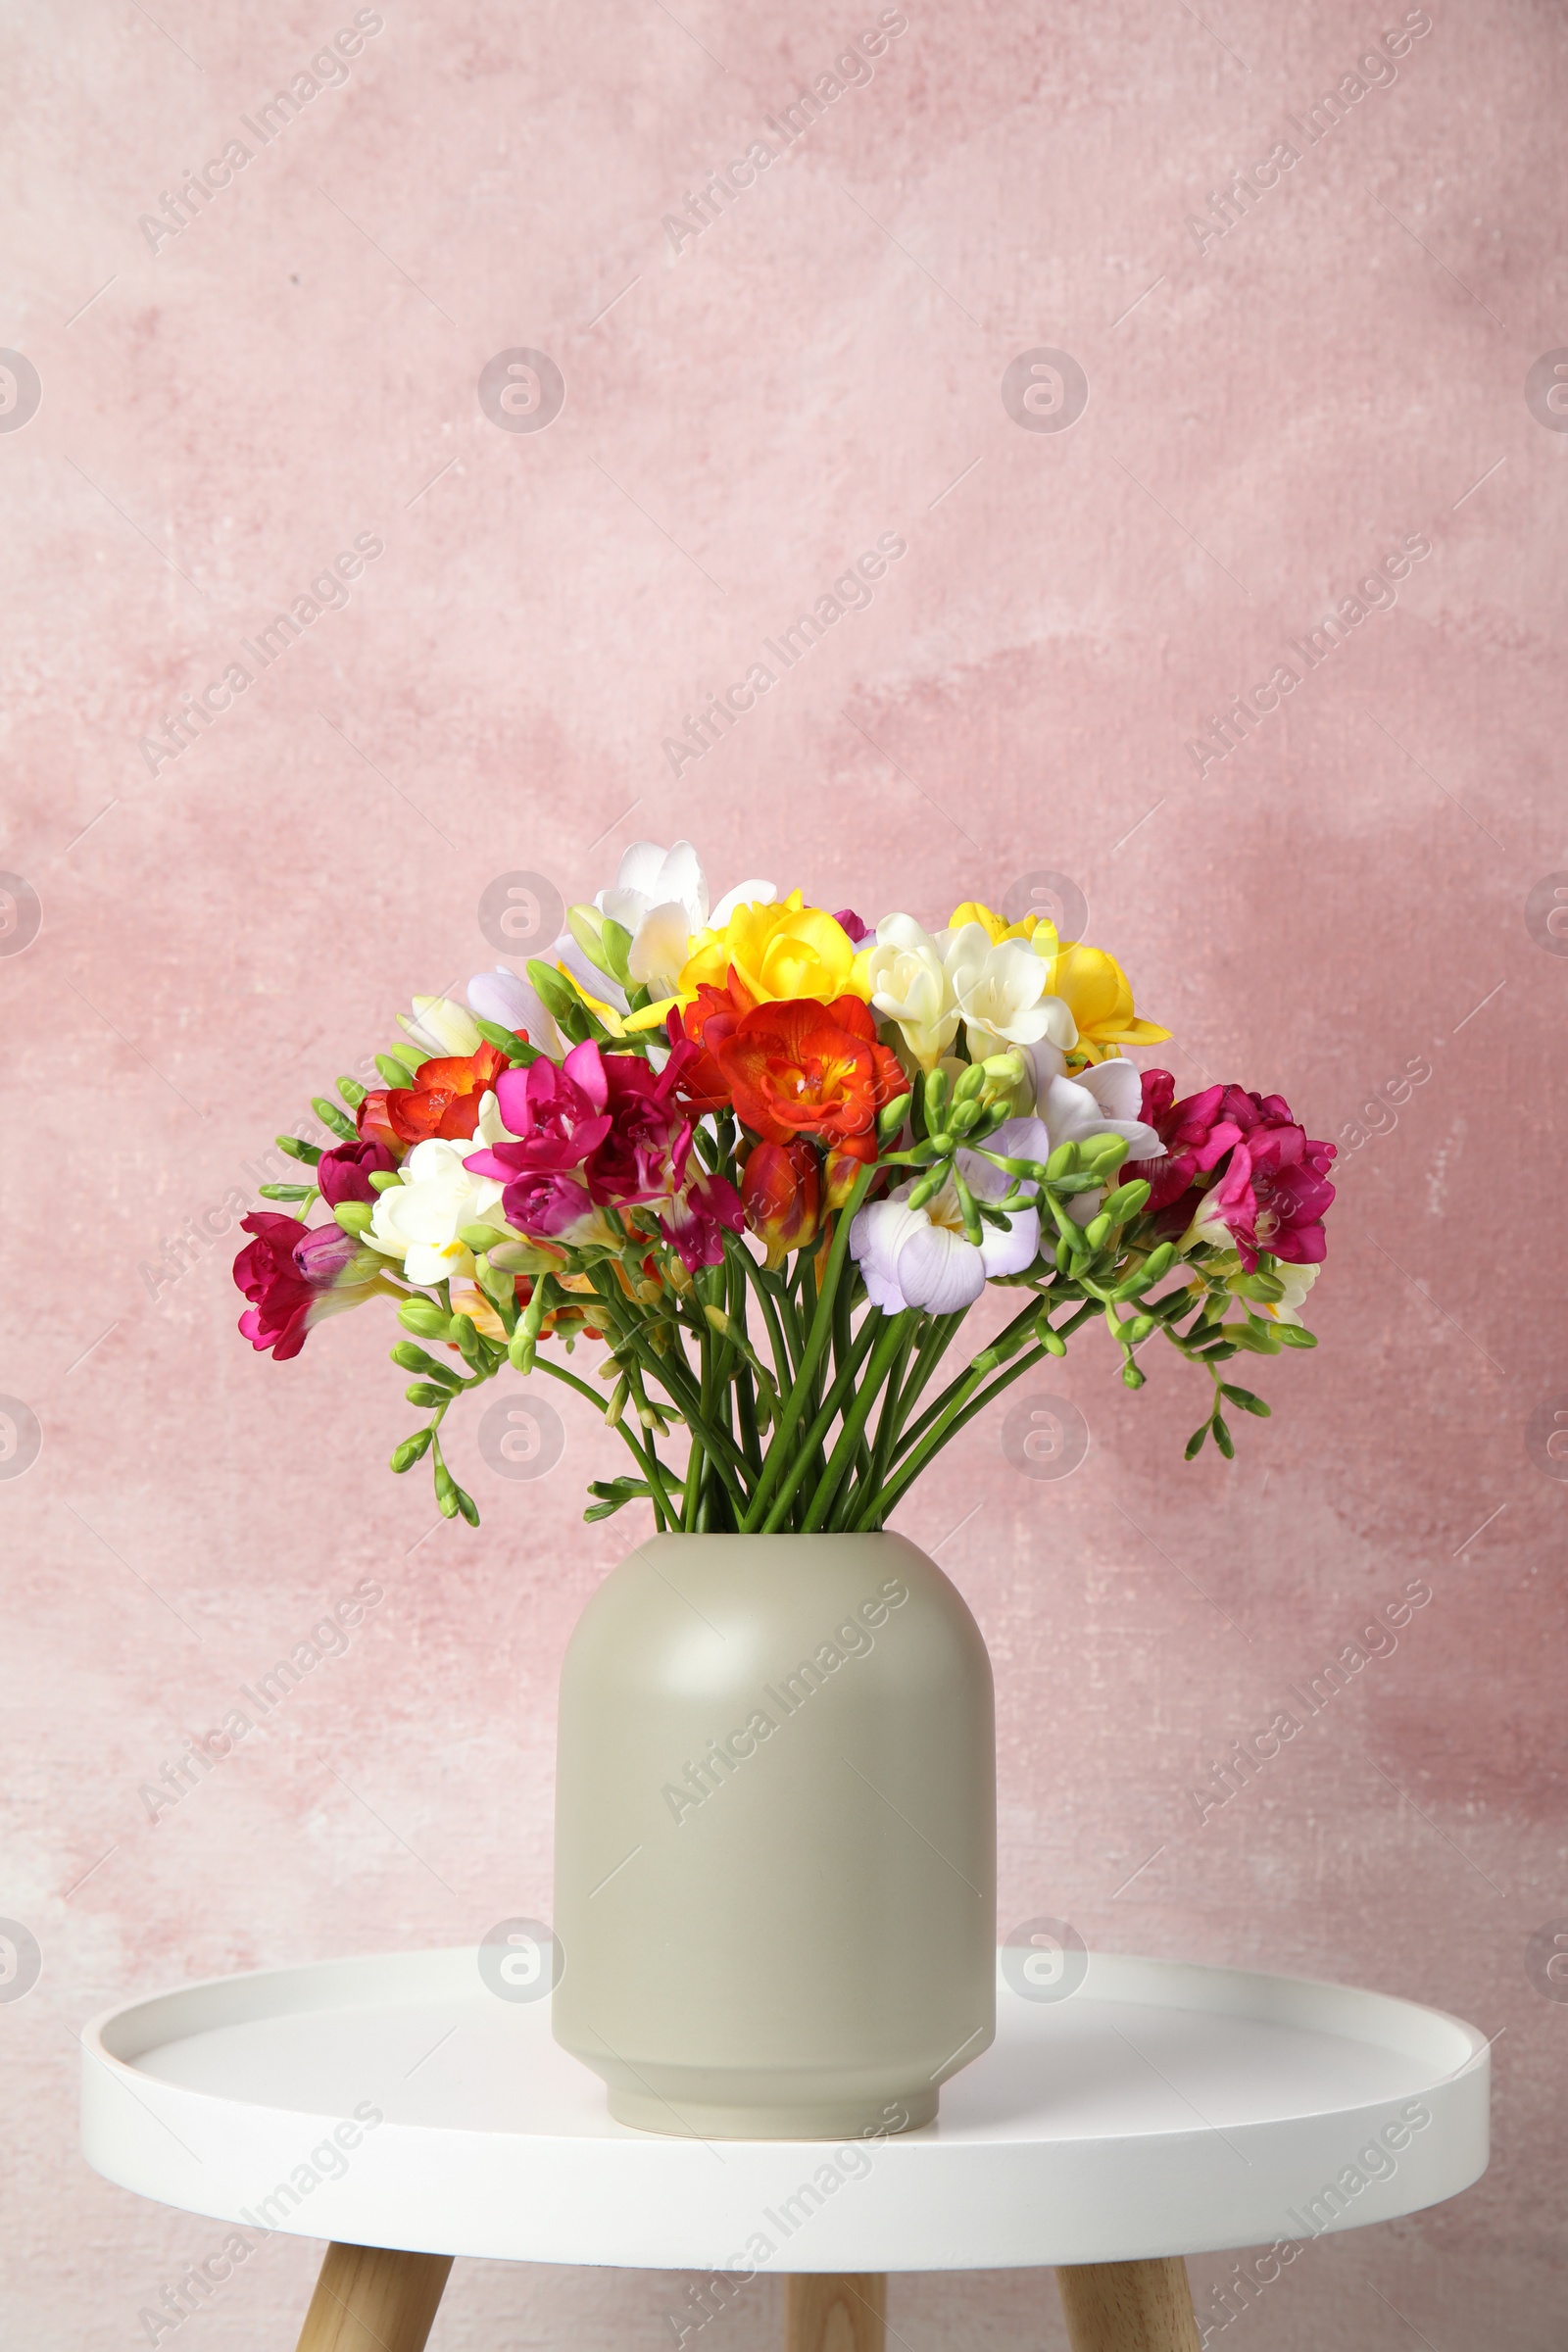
x,y
373,2299
1129,2306
836,2312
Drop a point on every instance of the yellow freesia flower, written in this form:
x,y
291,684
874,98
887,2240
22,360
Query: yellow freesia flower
x,y
781,951
1096,992
996,926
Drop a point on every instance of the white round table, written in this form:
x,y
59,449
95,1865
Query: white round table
x,y
401,2109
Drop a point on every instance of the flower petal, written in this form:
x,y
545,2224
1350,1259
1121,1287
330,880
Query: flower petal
x,y
938,1270
1011,1252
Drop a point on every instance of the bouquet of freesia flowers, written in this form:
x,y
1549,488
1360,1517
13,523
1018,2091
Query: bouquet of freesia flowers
x,y
768,1159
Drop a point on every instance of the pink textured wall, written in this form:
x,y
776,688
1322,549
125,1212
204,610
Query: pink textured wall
x,y
1341,896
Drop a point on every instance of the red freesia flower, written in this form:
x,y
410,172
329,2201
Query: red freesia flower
x,y
1240,1162
295,1279
781,1192
798,1068
345,1173
712,1016
443,1099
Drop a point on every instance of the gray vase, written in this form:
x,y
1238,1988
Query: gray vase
x,y
775,1837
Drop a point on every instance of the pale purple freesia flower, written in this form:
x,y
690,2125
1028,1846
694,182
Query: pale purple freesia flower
x,y
513,1004
923,1258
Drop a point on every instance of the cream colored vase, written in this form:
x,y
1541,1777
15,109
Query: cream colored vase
x,y
775,1837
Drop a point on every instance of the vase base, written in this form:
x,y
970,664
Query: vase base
x,y
819,2119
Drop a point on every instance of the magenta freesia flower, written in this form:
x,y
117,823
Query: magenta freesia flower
x,y
1271,1188
850,923
698,1219
345,1173
604,1131
294,1279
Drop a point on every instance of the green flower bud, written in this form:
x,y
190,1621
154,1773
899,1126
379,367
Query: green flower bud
x,y
554,991
586,925
481,1237
1246,1400
354,1216
516,1049
522,1350
1050,1341
410,1358
498,1285
1063,1161
1097,1230
383,1179
392,1073
466,1505
1126,1202
411,1450
615,944
891,1117
330,1116
424,1319
1132,1376
970,1083
352,1091
1195,1444
427,1392
1292,1335
292,1148
1223,1438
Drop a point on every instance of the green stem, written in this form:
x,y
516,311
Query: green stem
x,y
674,1376
651,1465
752,1272
817,1342
809,1454
888,1343
886,1428
958,1414
965,1382
695,1460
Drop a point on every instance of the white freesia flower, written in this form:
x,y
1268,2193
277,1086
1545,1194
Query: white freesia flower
x,y
420,1219
923,1257
910,985
1001,992
513,1004
661,897
441,1027
1298,1281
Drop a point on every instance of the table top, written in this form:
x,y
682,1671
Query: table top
x,y
1161,2108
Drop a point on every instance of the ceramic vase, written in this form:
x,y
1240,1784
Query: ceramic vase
x,y
775,1837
